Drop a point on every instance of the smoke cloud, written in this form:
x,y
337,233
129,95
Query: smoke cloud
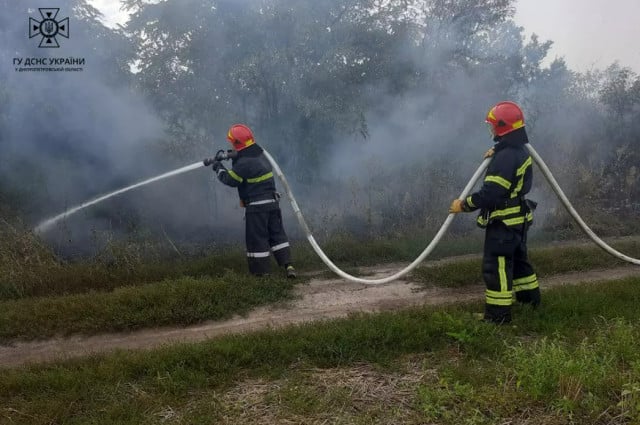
x,y
71,136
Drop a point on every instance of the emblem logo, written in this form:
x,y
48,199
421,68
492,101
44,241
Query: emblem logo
x,y
49,28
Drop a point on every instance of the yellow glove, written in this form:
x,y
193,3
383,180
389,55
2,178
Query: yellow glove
x,y
456,206
488,153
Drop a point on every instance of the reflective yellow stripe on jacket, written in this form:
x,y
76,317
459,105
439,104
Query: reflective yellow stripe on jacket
x,y
258,179
261,178
512,213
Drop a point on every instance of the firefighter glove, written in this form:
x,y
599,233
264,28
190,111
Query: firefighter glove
x,y
217,165
489,153
220,155
457,206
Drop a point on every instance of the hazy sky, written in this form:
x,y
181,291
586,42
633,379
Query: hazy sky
x,y
587,33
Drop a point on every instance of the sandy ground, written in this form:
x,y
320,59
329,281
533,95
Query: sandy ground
x,y
317,300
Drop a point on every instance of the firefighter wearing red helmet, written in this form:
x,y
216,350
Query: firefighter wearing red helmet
x,y
252,175
505,214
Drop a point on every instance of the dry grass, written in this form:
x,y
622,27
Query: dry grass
x,y
358,394
22,257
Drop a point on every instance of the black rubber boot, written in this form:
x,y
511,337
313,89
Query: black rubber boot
x,y
291,271
531,297
497,314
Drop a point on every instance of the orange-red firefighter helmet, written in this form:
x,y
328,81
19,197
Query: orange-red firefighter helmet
x,y
504,118
240,136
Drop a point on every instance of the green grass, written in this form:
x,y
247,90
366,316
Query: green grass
x,y
180,301
28,269
204,289
546,261
574,360
53,278
348,251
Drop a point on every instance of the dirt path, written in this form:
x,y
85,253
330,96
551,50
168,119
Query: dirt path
x,y
319,299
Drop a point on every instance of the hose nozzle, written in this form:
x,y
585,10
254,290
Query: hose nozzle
x,y
221,155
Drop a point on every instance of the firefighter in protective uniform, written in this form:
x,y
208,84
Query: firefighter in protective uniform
x,y
252,174
505,215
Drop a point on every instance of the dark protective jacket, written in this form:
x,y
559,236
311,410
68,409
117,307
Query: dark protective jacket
x,y
507,180
252,174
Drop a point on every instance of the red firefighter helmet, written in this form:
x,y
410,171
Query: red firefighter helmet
x,y
240,136
504,118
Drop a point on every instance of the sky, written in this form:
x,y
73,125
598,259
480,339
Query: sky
x,y
588,34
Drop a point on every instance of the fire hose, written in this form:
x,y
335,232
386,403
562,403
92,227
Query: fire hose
x,y
565,201
229,154
436,239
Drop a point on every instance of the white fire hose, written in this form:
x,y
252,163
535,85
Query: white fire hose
x,y
465,192
47,224
565,201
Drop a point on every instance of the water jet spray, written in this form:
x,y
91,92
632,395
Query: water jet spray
x,y
225,155
47,224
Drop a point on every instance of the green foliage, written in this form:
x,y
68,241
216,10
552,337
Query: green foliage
x,y
180,301
51,298
471,372
34,271
578,377
545,368
629,404
462,273
546,261
30,269
310,71
314,77
454,402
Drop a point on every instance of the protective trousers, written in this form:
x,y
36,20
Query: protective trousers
x,y
264,234
506,269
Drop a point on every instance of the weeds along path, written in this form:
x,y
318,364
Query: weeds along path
x,y
321,298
